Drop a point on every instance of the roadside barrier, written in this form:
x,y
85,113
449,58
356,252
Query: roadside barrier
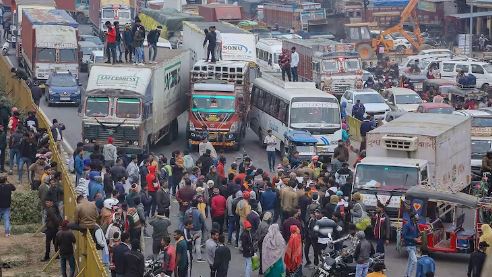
x,y
89,263
354,128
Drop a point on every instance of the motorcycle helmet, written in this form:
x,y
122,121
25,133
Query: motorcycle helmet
x,y
109,203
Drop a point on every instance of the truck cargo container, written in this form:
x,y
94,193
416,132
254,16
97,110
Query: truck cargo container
x,y
136,105
332,65
221,12
414,149
79,9
237,44
101,11
49,43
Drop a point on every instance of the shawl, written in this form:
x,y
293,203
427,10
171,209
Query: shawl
x,y
273,247
487,237
293,253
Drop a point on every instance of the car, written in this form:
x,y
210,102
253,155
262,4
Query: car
x,y
400,43
97,56
439,108
91,38
436,51
62,88
373,102
86,47
402,99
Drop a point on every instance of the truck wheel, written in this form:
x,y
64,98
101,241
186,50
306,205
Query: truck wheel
x,y
485,87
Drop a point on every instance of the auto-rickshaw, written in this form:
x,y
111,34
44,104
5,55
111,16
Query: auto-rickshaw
x,y
448,222
435,84
302,142
416,80
459,97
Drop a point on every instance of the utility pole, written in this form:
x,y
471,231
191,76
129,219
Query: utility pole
x,y
471,17
366,3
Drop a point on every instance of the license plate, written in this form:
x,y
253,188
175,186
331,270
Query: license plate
x,y
212,136
64,98
418,86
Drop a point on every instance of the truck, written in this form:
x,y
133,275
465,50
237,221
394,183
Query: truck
x,y
78,9
333,66
136,105
219,103
237,44
17,7
101,11
414,149
49,43
221,12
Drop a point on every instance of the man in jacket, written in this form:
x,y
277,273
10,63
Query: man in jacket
x,y
425,264
477,260
65,240
210,248
15,140
222,258
159,223
118,41
182,261
382,226
206,160
410,235
243,208
163,199
138,40
110,43
119,253
152,39
53,219
284,63
6,190
152,187
27,154
288,199
3,147
211,37
132,170
128,43
363,252
248,248
134,261
198,221
358,110
86,214
57,132
36,170
218,207
110,153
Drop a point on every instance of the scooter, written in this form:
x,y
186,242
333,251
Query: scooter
x,y
6,48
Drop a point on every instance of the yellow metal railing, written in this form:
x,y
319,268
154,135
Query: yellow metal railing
x,y
87,257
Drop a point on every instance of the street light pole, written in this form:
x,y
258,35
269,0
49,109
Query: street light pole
x,y
471,17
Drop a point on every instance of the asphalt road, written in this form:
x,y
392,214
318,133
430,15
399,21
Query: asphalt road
x,y
447,264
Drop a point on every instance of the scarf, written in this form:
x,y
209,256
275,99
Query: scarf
x,y
273,247
293,253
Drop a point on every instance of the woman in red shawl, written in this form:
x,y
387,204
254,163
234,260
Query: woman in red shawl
x,y
293,253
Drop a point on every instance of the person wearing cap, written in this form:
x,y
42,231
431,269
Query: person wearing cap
x,y
410,234
363,252
152,39
65,240
315,165
382,225
248,248
270,142
110,153
204,145
477,260
243,208
36,171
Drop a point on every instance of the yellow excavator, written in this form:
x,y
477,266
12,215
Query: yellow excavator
x,y
367,45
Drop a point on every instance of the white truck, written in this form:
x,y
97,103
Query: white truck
x,y
136,105
237,44
414,149
101,11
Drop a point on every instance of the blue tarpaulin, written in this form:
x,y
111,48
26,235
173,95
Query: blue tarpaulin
x,y
389,3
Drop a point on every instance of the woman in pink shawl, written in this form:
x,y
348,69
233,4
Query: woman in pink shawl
x,y
273,253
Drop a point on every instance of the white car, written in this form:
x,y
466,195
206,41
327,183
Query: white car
x,y
438,51
373,102
403,99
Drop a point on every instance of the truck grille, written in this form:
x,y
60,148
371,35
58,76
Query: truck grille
x,y
120,135
400,143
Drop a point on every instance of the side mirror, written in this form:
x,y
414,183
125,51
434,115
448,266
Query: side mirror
x,y
349,101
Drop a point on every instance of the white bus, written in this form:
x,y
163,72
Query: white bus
x,y
268,51
282,106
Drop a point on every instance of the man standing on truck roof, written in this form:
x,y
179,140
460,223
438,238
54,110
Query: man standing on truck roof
x,y
218,45
128,42
118,41
211,38
110,43
294,62
284,62
152,39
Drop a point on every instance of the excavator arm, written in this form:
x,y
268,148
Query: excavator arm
x,y
410,12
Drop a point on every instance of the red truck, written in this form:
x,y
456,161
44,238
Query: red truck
x,y
221,12
79,9
49,43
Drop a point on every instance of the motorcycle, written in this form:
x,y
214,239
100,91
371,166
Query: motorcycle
x,y
342,264
153,268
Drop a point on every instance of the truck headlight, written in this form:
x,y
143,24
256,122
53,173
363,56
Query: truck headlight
x,y
191,126
234,127
87,141
135,143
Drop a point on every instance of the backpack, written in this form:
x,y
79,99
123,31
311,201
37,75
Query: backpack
x,y
99,238
191,215
234,204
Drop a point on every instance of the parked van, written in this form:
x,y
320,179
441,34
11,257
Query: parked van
x,y
423,60
268,51
481,70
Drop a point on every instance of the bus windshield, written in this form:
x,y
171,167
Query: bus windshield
x,y
385,177
97,106
314,113
213,104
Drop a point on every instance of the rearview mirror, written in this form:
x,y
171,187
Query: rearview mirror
x,y
349,101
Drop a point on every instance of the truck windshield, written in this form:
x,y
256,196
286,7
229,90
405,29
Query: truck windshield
x,y
352,65
128,108
108,13
479,148
482,122
385,177
123,14
213,104
46,55
97,106
67,56
330,66
314,113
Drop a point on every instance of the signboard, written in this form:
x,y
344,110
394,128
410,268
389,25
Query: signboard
x,y
427,6
465,43
125,78
238,47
